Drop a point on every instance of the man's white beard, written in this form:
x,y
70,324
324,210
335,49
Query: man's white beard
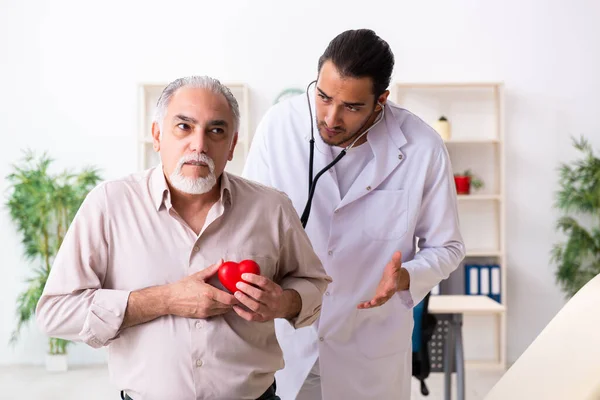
x,y
194,185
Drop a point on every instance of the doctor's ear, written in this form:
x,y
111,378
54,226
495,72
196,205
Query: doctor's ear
x,y
381,100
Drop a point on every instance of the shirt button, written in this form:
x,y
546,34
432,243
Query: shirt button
x,y
198,324
198,363
196,248
336,211
326,293
368,187
400,156
330,252
321,338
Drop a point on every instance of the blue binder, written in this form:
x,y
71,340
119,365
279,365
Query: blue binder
x,y
472,285
495,282
483,280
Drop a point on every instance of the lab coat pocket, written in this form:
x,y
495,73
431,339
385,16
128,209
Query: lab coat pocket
x,y
385,215
383,331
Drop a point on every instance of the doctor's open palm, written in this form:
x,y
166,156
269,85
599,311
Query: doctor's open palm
x,y
394,279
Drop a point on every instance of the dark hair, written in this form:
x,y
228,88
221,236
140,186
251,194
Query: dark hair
x,y
361,53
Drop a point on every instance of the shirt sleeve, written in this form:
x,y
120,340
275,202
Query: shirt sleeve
x,y
301,269
73,305
440,241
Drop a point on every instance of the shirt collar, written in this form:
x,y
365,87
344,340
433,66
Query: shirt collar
x,y
159,190
226,196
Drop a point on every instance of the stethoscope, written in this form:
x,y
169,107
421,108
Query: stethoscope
x,y
312,183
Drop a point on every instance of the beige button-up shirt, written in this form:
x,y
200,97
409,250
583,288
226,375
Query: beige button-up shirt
x,y
127,236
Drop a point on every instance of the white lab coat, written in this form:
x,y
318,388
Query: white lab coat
x,y
406,191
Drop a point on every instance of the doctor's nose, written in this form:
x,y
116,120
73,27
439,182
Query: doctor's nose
x,y
332,116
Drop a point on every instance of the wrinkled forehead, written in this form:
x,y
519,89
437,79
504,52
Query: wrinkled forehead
x,y
200,105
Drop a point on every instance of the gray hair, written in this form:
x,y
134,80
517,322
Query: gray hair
x,y
199,82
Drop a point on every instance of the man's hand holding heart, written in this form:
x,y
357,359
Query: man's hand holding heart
x,y
264,300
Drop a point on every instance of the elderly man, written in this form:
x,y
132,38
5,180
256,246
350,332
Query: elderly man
x,y
137,270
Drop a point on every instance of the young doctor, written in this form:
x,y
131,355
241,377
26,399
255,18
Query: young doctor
x,y
390,184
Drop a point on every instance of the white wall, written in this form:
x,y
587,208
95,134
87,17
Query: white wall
x,y
69,72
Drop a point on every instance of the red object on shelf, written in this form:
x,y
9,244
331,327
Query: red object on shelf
x,y
463,184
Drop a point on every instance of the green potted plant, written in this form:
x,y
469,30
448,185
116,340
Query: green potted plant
x,y
466,181
578,199
42,206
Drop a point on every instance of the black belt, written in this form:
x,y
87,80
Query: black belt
x,y
268,395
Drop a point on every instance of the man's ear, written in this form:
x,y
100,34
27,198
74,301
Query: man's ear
x,y
232,148
381,100
156,136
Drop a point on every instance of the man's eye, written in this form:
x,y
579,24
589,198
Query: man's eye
x,y
351,108
325,99
183,126
217,130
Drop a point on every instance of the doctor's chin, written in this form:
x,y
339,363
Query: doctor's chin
x,y
396,201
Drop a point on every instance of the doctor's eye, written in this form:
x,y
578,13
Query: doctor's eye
x,y
183,126
352,108
324,99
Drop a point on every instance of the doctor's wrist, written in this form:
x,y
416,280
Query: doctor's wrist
x,y
403,280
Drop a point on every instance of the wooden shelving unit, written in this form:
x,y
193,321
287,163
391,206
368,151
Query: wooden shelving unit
x,y
475,111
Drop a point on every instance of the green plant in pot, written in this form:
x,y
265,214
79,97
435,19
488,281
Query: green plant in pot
x,y
466,181
42,206
578,199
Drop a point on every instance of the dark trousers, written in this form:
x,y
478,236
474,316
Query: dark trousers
x,y
268,395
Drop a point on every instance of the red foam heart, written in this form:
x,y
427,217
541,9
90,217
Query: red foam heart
x,y
230,273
